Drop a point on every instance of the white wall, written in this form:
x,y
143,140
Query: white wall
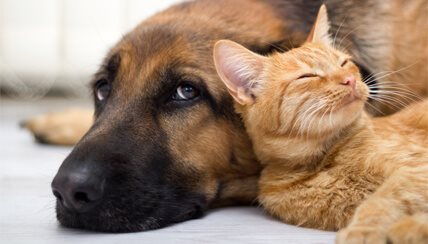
x,y
60,43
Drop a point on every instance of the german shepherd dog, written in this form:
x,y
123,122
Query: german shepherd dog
x,y
166,143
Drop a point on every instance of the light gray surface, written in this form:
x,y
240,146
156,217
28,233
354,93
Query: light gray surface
x,y
27,205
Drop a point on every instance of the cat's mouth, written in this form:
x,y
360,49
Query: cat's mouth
x,y
353,95
352,98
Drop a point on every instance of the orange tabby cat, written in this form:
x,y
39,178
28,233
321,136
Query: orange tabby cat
x,y
327,164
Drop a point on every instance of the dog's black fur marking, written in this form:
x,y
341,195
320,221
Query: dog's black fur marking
x,y
141,193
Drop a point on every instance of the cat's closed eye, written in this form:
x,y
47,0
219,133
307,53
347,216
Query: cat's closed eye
x,y
308,75
344,62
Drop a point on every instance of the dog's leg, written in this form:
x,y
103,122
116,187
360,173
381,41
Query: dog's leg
x,y
404,194
60,128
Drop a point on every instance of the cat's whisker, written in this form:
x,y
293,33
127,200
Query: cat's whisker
x,y
401,93
392,83
292,127
277,47
313,108
392,104
389,100
337,31
346,47
350,32
386,96
327,111
331,113
373,76
297,120
399,84
394,88
398,91
312,119
369,79
374,107
377,76
397,71
330,116
322,118
291,43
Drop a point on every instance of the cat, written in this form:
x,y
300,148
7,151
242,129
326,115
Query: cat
x,y
327,163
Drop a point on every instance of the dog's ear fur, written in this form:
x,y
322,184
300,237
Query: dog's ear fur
x,y
239,69
320,29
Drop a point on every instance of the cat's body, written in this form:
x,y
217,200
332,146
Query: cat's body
x,y
325,193
327,163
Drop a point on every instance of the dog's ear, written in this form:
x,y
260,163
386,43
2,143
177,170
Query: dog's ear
x,y
240,70
320,29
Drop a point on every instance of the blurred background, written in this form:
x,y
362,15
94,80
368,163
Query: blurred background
x,y
52,47
49,50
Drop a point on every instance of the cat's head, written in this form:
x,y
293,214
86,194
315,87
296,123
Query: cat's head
x,y
311,90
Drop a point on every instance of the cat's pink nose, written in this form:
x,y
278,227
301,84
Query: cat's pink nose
x,y
349,81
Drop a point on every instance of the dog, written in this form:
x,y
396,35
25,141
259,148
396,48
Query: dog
x,y
166,144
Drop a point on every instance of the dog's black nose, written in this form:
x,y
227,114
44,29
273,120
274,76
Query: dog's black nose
x,y
78,190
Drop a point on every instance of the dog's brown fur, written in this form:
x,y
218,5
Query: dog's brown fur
x,y
209,137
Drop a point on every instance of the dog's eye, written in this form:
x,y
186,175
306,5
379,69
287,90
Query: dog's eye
x,y
102,89
307,76
185,92
344,63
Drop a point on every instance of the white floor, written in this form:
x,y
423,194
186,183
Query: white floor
x,y
27,205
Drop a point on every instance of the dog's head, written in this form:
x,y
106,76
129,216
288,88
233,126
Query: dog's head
x,y
166,142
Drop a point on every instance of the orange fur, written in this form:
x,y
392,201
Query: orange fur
x,y
327,163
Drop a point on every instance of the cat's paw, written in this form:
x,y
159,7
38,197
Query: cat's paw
x,y
360,235
409,230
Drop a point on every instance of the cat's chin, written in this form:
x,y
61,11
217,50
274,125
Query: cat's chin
x,y
348,112
354,105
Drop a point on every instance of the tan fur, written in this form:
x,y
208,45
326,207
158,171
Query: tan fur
x,y
404,230
410,52
256,24
65,127
327,163
396,31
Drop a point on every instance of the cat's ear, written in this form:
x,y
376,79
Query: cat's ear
x,y
239,68
319,32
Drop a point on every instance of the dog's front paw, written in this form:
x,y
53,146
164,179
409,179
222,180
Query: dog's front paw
x,y
60,128
361,235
